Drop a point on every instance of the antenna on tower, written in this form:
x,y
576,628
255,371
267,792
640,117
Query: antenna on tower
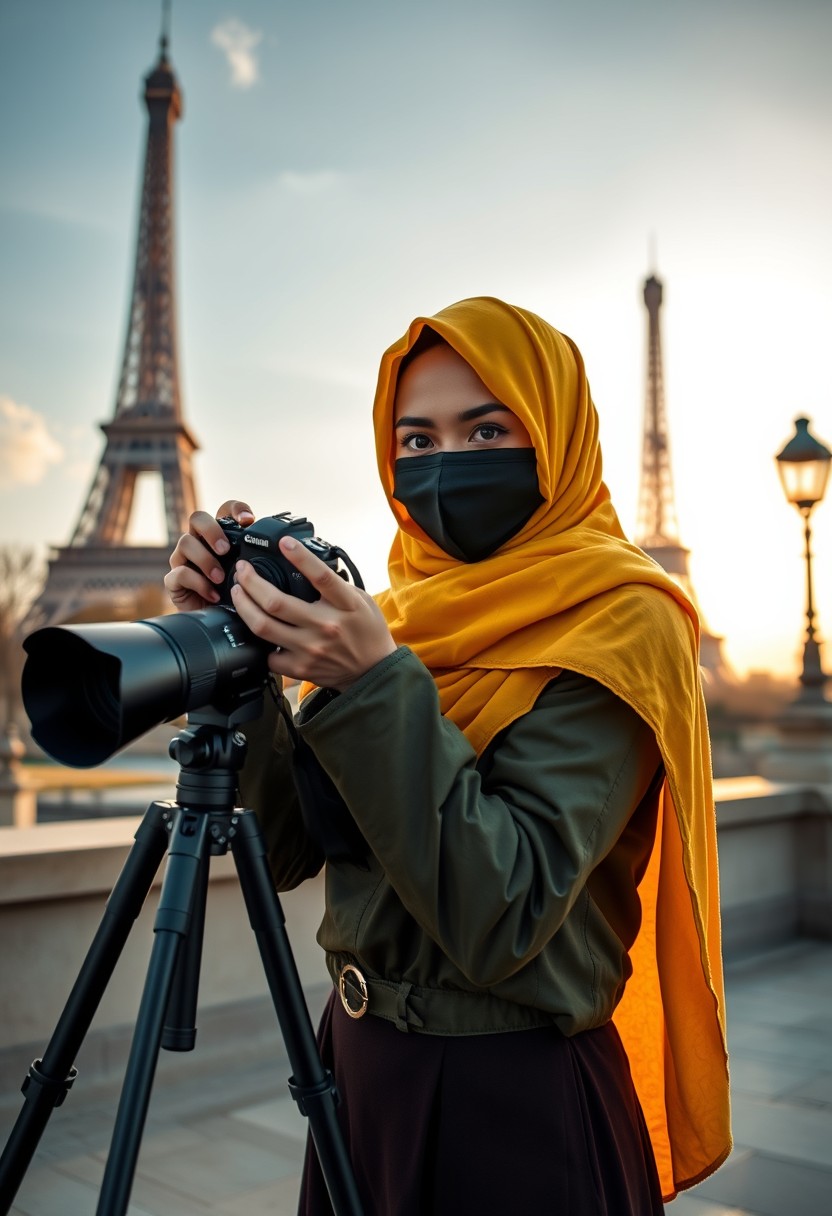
x,y
652,259
164,40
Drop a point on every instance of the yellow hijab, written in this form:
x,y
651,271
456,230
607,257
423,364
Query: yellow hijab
x,y
569,591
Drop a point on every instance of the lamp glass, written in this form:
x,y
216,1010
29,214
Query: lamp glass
x,y
803,465
804,481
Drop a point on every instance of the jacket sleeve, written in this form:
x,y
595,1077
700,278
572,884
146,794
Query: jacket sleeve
x,y
267,786
488,860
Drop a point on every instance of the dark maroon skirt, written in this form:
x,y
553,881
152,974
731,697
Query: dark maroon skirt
x,y
525,1122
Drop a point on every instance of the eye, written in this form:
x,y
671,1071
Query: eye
x,y
416,441
487,432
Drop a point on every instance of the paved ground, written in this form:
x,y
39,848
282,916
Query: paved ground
x,y
219,1142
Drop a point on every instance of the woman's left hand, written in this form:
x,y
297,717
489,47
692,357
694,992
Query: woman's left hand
x,y
330,642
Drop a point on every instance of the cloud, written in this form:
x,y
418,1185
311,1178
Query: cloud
x,y
28,448
316,182
237,41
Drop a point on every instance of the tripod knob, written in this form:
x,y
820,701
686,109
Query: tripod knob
x,y
190,749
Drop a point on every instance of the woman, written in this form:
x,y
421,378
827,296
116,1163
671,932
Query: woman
x,y
511,790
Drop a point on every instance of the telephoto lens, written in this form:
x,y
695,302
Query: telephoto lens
x,y
91,689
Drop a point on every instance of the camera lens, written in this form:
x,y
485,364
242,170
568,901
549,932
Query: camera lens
x,y
89,689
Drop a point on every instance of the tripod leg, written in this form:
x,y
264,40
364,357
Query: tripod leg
x,y
189,844
312,1086
50,1078
179,1033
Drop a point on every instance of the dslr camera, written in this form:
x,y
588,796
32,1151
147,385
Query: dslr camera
x,y
90,689
258,544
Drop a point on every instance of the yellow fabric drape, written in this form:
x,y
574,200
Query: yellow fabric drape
x,y
569,591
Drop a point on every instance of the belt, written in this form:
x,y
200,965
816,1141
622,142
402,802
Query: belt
x,y
359,993
429,1010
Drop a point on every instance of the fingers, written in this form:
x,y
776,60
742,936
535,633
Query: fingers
x,y
276,617
204,535
330,586
261,603
193,550
263,595
189,590
331,641
195,568
238,510
204,580
256,615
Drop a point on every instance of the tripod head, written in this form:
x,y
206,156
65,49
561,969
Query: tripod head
x,y
210,752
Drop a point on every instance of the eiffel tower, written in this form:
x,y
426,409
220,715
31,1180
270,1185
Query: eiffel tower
x,y
657,529
100,574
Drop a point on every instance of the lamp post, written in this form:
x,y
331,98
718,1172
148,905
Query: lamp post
x,y
803,465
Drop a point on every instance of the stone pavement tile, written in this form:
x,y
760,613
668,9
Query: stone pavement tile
x,y
70,1137
821,1017
775,1004
228,1128
71,1129
173,1137
770,1186
220,1169
54,1146
146,1197
792,975
817,1092
281,1115
688,1205
189,1175
202,1095
766,1078
800,1133
798,1046
279,1199
49,1191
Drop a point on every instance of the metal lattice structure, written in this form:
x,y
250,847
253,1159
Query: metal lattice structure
x,y
147,433
657,523
657,529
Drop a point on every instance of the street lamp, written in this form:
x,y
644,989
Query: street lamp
x,y
803,465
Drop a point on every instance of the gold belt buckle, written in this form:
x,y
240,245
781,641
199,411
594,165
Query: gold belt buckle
x,y
360,990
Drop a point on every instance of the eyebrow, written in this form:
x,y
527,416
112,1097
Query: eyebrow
x,y
475,411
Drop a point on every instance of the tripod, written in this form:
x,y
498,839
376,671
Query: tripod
x,y
203,821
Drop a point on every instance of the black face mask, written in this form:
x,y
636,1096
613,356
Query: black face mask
x,y
469,503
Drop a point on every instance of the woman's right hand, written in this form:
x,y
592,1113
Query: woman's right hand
x,y
195,572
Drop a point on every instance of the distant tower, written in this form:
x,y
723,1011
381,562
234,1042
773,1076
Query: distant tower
x,y
657,530
100,571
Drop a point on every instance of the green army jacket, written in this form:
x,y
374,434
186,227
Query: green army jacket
x,y
494,893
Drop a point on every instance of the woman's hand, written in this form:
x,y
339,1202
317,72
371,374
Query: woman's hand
x,y
330,642
195,572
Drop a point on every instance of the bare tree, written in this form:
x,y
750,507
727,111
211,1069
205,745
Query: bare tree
x,y
22,573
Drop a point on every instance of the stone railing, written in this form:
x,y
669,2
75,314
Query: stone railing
x,y
776,881
775,861
24,787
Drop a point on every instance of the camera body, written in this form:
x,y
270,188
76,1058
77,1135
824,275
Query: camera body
x,y
258,544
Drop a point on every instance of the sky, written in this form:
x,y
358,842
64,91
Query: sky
x,y
344,167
